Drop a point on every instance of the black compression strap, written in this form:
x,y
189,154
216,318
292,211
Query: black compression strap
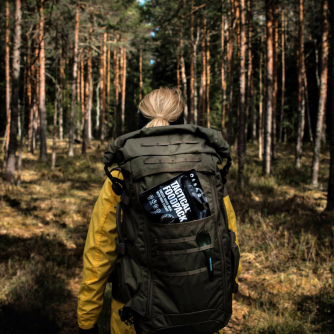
x,y
117,184
225,169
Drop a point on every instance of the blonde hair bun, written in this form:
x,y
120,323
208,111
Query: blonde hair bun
x,y
162,106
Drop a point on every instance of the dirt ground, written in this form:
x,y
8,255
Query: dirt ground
x,y
286,241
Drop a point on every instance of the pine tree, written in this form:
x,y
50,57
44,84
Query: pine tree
x,y
12,146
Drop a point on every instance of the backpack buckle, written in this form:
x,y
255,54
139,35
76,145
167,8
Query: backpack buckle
x,y
120,248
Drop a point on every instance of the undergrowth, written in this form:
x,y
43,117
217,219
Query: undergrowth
x,y
286,241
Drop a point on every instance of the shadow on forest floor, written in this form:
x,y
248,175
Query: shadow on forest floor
x,y
286,241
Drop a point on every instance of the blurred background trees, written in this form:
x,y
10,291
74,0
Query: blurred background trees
x,y
258,70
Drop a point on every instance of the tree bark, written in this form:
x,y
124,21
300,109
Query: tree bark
x,y
250,88
301,88
7,134
192,72
184,79
203,87
230,69
283,76
108,87
54,141
116,84
97,124
74,79
82,88
238,28
223,66
208,71
269,90
42,108
141,72
90,83
323,93
307,103
196,114
242,89
330,197
123,89
275,49
12,146
261,107
87,97
61,82
29,92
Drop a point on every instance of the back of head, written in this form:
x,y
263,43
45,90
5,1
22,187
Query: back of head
x,y
162,106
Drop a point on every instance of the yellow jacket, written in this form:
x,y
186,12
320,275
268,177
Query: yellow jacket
x,y
99,260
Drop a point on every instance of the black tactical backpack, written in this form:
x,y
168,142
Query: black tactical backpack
x,y
161,274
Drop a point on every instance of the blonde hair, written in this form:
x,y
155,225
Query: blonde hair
x,y
162,106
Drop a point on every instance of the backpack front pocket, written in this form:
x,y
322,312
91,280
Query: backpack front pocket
x,y
180,273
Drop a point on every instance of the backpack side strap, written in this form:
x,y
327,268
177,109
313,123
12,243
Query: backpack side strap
x,y
117,184
224,171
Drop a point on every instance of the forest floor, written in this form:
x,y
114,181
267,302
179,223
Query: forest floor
x,y
286,241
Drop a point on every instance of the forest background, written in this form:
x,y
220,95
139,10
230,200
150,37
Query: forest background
x,y
72,74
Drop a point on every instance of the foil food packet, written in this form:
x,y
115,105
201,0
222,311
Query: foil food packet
x,y
178,200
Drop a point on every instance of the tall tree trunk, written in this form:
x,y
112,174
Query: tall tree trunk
x,y
116,84
330,197
82,88
238,28
261,108
6,139
223,65
230,69
250,89
307,102
78,105
61,82
54,141
141,72
86,99
34,106
242,89
323,93
102,89
123,89
97,124
29,76
208,71
22,122
74,79
108,88
269,90
196,114
274,135
203,86
192,72
301,86
184,79
42,108
12,147
90,83
283,76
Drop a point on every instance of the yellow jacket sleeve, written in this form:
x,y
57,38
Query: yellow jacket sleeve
x,y
99,255
232,225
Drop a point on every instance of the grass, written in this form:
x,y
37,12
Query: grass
x,y
286,240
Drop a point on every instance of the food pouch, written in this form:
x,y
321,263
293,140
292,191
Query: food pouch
x,y
178,200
